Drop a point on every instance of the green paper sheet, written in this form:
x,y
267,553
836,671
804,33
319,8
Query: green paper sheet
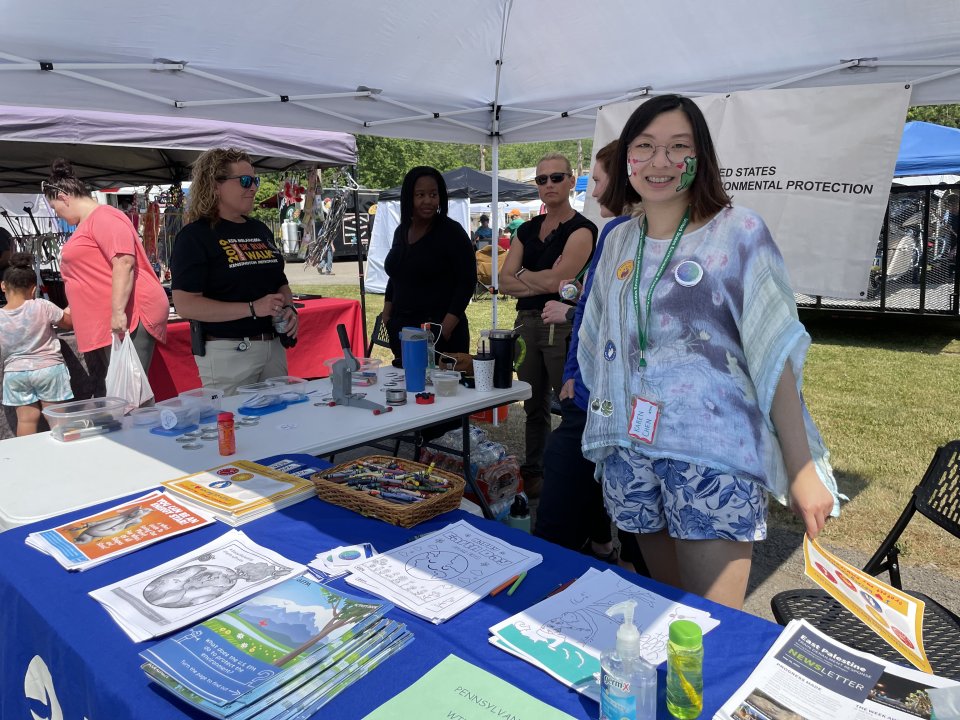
x,y
457,690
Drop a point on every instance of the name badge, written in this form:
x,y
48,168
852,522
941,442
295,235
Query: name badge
x,y
644,418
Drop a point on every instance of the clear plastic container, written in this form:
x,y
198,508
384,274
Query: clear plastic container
x,y
145,417
85,418
446,382
208,398
257,387
178,413
285,380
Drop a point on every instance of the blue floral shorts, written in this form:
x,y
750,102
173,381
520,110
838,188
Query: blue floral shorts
x,y
692,502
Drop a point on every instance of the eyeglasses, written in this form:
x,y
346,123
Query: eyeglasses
x,y
676,152
246,181
552,177
46,187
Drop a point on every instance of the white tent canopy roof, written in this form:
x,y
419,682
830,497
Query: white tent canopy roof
x,y
108,148
436,69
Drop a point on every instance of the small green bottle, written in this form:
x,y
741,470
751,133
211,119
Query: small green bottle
x,y
685,670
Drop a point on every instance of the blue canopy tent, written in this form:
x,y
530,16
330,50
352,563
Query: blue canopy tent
x,y
928,149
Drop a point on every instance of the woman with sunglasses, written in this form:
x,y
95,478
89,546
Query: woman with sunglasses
x,y
547,249
692,352
227,276
431,266
110,285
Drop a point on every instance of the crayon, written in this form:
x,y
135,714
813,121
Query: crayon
x,y
558,589
516,584
504,586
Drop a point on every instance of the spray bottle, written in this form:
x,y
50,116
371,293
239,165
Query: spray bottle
x,y
628,683
431,348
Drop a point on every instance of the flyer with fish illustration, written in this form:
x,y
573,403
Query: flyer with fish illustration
x,y
95,539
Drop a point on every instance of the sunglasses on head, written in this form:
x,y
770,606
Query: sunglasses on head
x,y
246,181
552,177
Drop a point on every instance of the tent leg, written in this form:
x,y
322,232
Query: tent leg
x,y
360,256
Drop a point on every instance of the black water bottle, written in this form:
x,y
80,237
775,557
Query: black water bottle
x,y
280,328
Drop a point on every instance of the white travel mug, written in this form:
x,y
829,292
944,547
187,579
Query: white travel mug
x,y
483,373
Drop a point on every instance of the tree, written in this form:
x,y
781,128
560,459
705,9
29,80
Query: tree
x,y
384,161
948,115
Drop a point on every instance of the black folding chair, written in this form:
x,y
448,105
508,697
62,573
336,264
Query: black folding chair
x,y
379,335
937,498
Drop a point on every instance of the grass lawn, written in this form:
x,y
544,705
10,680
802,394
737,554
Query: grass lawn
x,y
884,394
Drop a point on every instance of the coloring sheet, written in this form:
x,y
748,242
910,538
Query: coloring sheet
x,y
194,586
566,633
441,574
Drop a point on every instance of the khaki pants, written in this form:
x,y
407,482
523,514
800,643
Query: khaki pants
x,y
227,367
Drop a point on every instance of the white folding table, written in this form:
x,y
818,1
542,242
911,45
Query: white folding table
x,y
41,477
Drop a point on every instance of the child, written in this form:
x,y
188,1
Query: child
x,y
34,374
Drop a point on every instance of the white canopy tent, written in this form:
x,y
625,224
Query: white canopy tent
x,y
473,71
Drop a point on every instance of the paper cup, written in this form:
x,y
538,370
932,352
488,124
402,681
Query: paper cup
x,y
483,373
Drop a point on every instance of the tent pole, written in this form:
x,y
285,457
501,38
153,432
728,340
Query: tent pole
x,y
495,222
360,258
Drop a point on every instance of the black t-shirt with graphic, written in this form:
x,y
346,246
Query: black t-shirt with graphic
x,y
231,262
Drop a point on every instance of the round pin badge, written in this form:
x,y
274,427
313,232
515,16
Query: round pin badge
x,y
688,273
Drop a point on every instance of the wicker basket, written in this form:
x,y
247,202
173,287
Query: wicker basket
x,y
393,513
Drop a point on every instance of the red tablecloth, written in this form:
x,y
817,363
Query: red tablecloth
x,y
173,370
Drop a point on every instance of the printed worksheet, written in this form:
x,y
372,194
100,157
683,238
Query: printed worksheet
x,y
194,586
565,634
441,574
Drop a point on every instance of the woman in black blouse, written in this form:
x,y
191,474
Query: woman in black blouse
x,y
431,266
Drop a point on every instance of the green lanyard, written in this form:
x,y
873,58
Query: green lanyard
x,y
642,326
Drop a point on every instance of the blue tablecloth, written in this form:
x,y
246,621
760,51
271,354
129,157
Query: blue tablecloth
x,y
48,622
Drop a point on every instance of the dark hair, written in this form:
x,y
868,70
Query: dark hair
x,y
484,218
406,192
707,195
64,180
20,274
606,154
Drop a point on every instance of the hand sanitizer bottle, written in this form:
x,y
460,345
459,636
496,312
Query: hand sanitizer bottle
x,y
628,683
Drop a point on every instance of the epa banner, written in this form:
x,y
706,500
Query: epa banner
x,y
816,163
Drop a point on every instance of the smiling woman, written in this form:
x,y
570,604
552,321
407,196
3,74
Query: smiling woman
x,y
228,278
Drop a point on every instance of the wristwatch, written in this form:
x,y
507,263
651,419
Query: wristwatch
x,y
253,313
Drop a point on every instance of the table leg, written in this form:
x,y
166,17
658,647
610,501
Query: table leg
x,y
468,470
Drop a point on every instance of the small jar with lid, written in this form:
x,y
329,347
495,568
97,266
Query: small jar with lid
x,y
226,435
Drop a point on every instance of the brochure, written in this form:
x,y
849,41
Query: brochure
x,y
95,539
241,491
809,676
565,633
891,613
251,649
194,586
456,689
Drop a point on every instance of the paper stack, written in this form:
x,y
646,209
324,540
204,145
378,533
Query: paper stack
x,y
284,653
95,539
194,586
443,573
242,491
565,634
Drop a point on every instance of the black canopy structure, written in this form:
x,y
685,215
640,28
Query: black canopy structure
x,y
466,182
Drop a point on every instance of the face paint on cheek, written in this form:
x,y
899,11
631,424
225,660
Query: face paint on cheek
x,y
686,178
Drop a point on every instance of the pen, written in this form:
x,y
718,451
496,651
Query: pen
x,y
515,585
501,588
558,589
90,431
